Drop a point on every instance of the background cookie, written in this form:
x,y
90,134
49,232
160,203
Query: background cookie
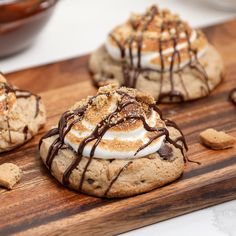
x,y
159,53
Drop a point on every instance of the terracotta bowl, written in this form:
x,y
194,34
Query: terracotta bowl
x,y
21,21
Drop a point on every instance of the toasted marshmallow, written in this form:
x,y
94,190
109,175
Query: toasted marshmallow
x,y
7,96
128,139
163,37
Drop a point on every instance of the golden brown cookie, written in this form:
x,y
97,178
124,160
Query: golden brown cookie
x,y
159,53
114,144
22,114
10,174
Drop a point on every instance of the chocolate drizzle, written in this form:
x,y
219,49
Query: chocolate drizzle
x,y
116,177
70,118
165,152
8,128
19,93
7,90
25,131
132,71
232,96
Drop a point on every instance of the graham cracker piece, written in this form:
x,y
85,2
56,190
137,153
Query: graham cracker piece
x,y
10,174
216,139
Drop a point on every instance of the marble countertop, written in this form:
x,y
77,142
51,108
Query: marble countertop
x,y
219,220
78,27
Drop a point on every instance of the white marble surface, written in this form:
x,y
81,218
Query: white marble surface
x,y
78,27
218,220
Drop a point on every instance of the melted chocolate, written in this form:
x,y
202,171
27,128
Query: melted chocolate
x,y
70,118
162,132
131,72
116,177
232,96
26,94
25,132
7,90
9,131
165,152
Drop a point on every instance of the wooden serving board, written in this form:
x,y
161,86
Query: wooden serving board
x,y
39,205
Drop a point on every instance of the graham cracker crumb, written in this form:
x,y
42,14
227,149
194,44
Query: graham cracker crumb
x,y
108,88
100,101
79,104
145,97
216,139
10,174
130,91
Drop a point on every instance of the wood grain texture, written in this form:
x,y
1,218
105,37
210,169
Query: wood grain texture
x,y
39,205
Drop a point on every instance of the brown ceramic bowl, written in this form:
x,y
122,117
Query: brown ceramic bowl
x,y
21,21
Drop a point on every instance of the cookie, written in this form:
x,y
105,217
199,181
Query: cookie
x,y
114,144
22,114
161,54
10,174
217,139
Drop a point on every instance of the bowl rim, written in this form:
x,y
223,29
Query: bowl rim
x,y
12,24
10,2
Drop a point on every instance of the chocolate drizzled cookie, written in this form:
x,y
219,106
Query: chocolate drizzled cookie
x,y
159,53
105,139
